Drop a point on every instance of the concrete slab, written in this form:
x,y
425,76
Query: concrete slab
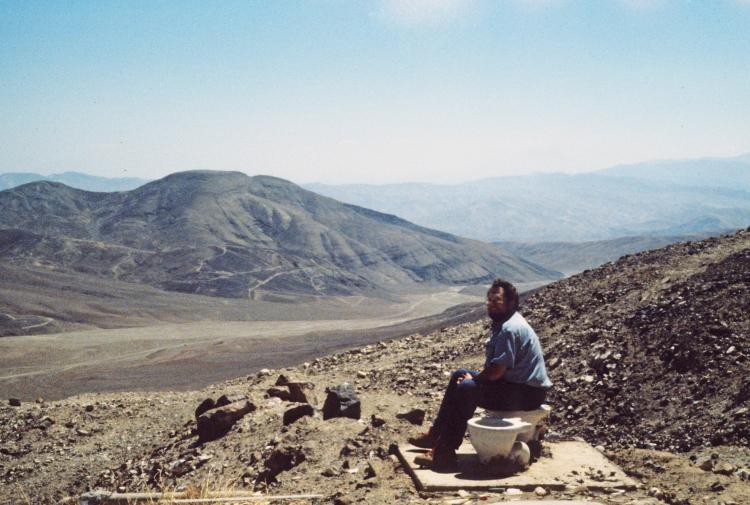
x,y
570,463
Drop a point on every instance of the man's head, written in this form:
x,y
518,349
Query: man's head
x,y
502,300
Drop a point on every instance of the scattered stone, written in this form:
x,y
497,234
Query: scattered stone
x,y
513,491
342,401
414,416
89,408
295,413
376,421
14,402
330,472
217,422
39,399
540,491
707,465
280,460
263,372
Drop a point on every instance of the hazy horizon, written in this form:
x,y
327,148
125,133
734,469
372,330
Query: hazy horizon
x,y
377,92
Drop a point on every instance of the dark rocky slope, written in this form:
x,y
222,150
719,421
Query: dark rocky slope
x,y
653,349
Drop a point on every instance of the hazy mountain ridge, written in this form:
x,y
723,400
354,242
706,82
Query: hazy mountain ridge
x,y
573,257
228,234
556,207
74,179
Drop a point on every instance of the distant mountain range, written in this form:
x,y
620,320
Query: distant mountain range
x,y
574,257
660,198
73,179
230,235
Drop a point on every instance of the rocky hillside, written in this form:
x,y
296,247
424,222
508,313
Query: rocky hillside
x,y
649,356
230,235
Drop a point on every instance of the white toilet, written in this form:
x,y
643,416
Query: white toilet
x,y
493,437
494,434
534,417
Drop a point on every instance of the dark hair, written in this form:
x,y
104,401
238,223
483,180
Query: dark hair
x,y
509,293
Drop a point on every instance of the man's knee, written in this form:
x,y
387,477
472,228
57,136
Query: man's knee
x,y
458,373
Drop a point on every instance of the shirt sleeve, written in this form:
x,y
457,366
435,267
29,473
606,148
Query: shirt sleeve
x,y
503,353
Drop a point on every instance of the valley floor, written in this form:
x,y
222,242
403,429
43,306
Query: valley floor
x,y
189,355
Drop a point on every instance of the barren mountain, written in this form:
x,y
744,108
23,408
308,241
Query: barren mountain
x,y
230,235
649,357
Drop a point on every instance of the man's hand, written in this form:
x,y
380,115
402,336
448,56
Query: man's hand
x,y
466,376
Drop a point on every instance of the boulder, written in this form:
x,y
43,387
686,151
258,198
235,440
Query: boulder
x,y
205,405
295,413
342,401
217,422
14,402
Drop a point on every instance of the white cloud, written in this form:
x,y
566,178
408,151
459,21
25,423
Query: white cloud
x,y
427,12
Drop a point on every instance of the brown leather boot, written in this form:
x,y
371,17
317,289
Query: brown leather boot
x,y
425,440
440,458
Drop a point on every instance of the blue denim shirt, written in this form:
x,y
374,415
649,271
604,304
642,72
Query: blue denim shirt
x,y
516,345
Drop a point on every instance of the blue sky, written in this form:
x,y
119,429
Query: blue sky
x,y
381,91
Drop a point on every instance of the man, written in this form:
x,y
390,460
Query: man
x,y
513,378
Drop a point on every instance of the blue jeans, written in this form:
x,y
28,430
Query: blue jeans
x,y
461,400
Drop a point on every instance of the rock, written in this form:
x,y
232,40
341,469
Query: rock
x,y
724,469
376,421
282,380
513,491
342,500
282,394
295,413
280,460
342,401
14,402
656,493
462,493
204,406
263,372
227,399
39,399
330,472
217,422
414,416
707,465
89,408
540,491
301,392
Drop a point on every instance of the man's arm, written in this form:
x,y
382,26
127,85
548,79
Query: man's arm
x,y
490,373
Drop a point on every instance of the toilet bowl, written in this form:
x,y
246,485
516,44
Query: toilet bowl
x,y
493,437
533,417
